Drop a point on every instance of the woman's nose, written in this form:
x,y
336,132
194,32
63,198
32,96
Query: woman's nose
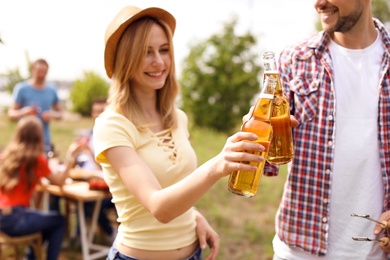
x,y
157,59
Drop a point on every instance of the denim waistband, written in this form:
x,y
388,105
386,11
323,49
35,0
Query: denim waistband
x,y
9,210
114,254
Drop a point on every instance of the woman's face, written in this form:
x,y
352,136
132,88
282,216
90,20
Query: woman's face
x,y
155,68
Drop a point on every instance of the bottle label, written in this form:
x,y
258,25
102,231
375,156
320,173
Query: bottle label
x,y
271,72
267,96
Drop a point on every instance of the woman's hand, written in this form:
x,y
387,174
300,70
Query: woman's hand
x,y
207,236
239,149
385,219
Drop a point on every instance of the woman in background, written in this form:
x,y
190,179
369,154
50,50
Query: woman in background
x,y
23,164
141,142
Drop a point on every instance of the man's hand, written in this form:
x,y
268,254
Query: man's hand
x,y
385,220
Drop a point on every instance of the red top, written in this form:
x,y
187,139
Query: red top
x,y
19,195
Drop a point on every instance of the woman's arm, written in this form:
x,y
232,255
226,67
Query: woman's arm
x,y
170,202
70,161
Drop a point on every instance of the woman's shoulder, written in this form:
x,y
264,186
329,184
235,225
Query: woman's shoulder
x,y
110,116
110,120
181,115
182,118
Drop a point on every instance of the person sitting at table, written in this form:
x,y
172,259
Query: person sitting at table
x,y
23,164
86,161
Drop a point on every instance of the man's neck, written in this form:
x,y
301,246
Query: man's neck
x,y
361,36
37,83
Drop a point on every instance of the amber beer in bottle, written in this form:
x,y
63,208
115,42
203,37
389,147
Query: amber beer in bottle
x,y
281,150
246,183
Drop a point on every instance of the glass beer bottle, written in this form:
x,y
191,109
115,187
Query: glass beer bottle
x,y
281,150
246,183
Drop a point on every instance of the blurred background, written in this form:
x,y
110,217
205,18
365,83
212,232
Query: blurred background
x,y
218,52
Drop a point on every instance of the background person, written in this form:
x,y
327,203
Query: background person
x,y
86,161
338,85
22,165
36,96
141,142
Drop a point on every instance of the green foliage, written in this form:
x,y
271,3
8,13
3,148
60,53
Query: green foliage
x,y
13,76
220,78
381,10
85,90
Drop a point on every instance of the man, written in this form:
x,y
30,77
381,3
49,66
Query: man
x,y
338,84
37,97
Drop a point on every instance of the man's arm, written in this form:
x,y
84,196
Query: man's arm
x,y
15,112
57,111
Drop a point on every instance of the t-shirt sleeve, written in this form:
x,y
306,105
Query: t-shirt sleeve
x,y
42,167
183,121
16,93
56,99
111,130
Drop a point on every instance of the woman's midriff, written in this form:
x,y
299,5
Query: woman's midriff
x,y
177,254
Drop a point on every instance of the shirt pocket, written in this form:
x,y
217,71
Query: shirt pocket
x,y
306,96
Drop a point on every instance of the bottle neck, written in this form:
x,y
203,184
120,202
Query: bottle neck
x,y
263,107
271,70
274,74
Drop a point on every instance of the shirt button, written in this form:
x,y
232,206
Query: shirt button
x,y
324,219
325,228
325,201
330,117
327,171
330,143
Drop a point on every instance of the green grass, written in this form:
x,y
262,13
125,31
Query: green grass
x,y
245,225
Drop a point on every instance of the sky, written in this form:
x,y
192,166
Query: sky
x,y
70,34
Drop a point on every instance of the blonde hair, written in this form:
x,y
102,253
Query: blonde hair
x,y
131,52
20,156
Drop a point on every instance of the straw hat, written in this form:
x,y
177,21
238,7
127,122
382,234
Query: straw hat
x,y
119,24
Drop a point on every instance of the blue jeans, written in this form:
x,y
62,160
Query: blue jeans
x,y
24,221
114,254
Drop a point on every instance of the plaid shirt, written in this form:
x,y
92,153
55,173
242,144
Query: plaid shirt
x,y
306,72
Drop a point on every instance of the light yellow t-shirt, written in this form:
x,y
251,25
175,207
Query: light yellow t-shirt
x,y
138,228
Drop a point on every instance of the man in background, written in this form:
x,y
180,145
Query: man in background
x,y
36,96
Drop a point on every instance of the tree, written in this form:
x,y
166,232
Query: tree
x,y
381,10
13,76
85,90
219,79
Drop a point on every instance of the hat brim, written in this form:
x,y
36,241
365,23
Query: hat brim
x,y
119,24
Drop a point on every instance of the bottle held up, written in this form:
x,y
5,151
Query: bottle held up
x,y
281,150
245,183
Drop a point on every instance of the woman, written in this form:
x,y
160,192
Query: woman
x,y
22,164
141,141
